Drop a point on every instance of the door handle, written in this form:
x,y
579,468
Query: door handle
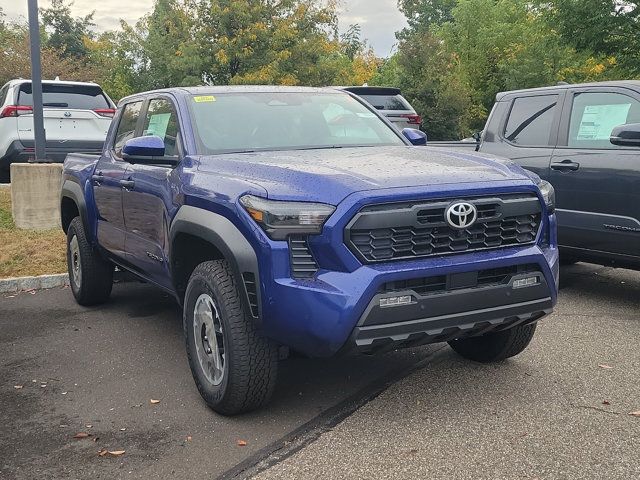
x,y
127,184
565,166
97,178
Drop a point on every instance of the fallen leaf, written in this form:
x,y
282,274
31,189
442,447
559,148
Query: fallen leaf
x,y
242,443
34,381
606,367
88,425
153,402
81,435
44,385
18,387
123,429
635,414
606,402
102,453
116,453
95,439
189,438
64,393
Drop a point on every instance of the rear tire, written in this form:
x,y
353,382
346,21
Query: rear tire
x,y
90,275
497,346
234,367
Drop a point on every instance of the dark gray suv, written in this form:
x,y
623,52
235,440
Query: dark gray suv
x,y
585,140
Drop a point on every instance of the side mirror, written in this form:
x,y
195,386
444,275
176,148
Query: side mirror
x,y
416,137
477,136
149,146
626,135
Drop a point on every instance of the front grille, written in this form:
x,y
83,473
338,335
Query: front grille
x,y
303,265
411,230
442,283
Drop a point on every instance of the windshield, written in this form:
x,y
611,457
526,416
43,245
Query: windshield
x,y
245,121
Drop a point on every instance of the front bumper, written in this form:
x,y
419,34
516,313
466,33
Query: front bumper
x,y
339,311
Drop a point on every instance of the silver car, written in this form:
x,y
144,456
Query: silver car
x,y
390,103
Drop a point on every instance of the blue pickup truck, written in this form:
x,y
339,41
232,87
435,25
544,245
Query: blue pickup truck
x,y
300,219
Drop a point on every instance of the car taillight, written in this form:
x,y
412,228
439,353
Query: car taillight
x,y
413,119
15,110
105,112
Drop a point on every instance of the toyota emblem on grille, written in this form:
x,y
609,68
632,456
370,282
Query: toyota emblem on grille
x,y
461,215
67,114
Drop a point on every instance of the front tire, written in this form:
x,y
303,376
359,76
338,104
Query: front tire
x,y
234,367
495,347
90,275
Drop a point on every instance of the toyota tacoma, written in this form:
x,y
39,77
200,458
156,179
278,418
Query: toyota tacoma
x,y
299,219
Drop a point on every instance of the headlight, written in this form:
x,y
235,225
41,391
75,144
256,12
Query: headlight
x,y
548,194
279,219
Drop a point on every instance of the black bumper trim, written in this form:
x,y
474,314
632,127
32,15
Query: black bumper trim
x,y
390,336
54,150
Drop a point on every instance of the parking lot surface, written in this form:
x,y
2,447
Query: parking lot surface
x,y
560,410
556,411
102,367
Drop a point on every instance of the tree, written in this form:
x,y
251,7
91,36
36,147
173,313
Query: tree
x,y
66,34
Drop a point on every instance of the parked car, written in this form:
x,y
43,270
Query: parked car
x,y
77,116
585,140
390,103
298,218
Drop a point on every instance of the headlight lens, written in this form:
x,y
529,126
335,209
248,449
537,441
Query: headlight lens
x,y
280,219
549,195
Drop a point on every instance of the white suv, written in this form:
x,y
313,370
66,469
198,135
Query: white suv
x,y
77,116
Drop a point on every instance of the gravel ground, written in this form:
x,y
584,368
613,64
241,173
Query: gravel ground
x,y
560,410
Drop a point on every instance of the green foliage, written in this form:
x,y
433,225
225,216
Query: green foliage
x,y
457,54
66,34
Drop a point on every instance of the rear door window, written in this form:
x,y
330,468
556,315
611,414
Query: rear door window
x,y
386,102
162,121
77,97
530,121
595,114
127,126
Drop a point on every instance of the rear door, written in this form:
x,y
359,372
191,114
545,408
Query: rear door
x,y
527,131
148,200
73,114
597,183
107,182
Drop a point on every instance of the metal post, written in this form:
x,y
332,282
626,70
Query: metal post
x,y
36,82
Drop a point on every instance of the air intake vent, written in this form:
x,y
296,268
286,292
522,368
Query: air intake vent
x,y
252,292
303,265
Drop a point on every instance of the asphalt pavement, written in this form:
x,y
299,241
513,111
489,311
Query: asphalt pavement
x,y
555,412
95,371
560,410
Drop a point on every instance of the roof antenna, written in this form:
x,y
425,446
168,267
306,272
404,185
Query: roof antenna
x,y
57,79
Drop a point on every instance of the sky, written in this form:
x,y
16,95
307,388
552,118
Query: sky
x,y
379,19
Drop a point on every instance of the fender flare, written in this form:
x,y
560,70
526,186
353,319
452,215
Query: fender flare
x,y
225,236
73,191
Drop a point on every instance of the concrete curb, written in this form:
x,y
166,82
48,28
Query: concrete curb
x,y
21,284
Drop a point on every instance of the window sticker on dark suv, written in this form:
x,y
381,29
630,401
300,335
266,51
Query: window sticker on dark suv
x,y
595,114
530,120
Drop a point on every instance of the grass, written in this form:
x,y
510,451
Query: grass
x,y
28,252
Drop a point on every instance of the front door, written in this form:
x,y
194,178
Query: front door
x,y
148,199
597,183
107,184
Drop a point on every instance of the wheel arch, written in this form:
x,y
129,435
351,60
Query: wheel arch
x,y
198,235
72,204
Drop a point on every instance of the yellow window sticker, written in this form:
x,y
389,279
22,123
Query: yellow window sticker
x,y
204,98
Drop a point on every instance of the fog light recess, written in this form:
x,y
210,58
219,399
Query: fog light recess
x,y
396,301
526,282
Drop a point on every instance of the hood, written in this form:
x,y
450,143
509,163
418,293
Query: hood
x,y
330,175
